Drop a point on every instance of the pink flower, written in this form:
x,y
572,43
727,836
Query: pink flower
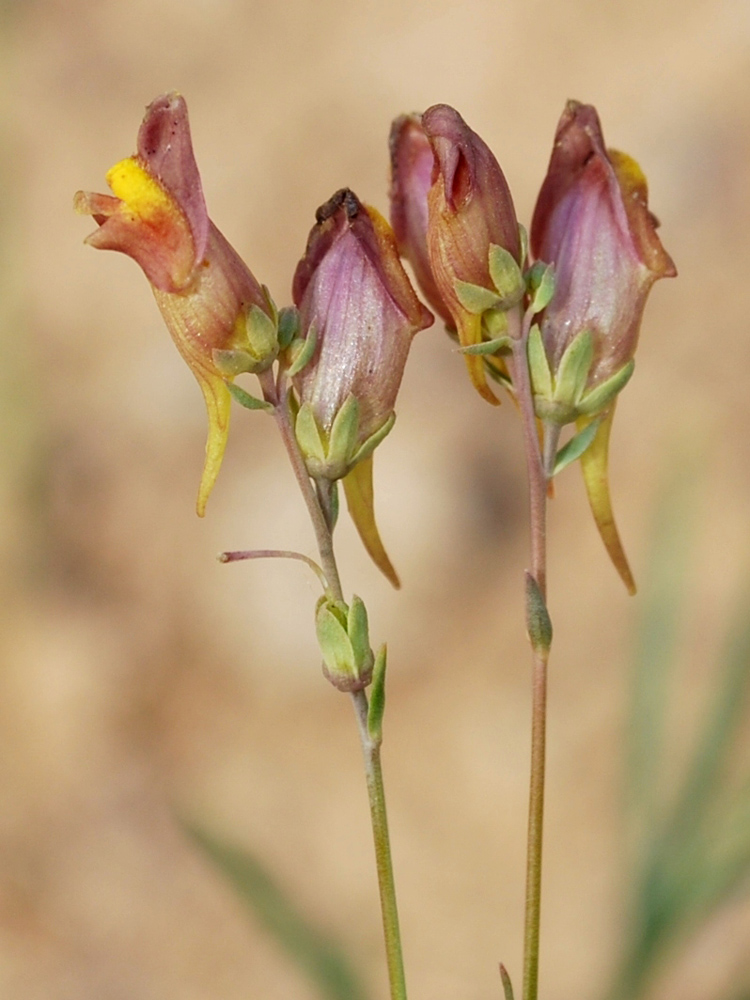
x,y
204,290
592,223
468,210
351,287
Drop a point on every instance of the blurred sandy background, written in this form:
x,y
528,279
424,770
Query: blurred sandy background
x,y
141,678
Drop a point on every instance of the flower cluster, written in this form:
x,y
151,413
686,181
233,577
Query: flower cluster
x,y
573,294
593,256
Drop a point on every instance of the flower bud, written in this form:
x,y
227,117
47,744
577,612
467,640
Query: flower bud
x,y
352,291
470,212
344,640
209,299
592,223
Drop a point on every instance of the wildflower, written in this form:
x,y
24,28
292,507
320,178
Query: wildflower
x,y
592,223
215,310
355,299
469,212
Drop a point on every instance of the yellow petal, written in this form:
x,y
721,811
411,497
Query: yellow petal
x,y
361,503
218,403
595,468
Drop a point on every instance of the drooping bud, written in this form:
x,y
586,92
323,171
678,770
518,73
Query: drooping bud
x,y
592,223
219,317
470,213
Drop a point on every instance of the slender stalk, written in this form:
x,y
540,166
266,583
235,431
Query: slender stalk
x,y
376,792
370,748
538,520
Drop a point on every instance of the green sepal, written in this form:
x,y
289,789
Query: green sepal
x,y
545,289
262,337
271,305
334,642
376,708
506,275
541,375
504,344
538,623
602,395
246,400
474,298
495,323
343,437
523,239
533,276
302,351
308,435
232,362
573,370
359,636
288,326
577,445
369,446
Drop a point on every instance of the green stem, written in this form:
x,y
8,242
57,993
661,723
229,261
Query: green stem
x,y
383,862
370,747
538,520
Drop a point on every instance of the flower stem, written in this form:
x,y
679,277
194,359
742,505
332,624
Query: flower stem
x,y
538,521
376,792
370,746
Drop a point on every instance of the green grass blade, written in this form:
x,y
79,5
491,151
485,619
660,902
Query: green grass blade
x,y
319,958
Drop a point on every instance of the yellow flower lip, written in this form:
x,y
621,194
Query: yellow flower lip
x,y
142,193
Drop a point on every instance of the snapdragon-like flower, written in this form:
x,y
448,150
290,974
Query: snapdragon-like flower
x,y
469,210
211,303
356,301
592,223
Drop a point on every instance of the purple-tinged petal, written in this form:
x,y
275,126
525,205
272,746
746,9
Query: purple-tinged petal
x,y
412,165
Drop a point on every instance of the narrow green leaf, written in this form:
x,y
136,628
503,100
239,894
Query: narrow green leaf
x,y
507,984
573,450
359,634
377,696
538,622
504,344
246,400
314,953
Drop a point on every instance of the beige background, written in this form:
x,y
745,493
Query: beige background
x,y
140,676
